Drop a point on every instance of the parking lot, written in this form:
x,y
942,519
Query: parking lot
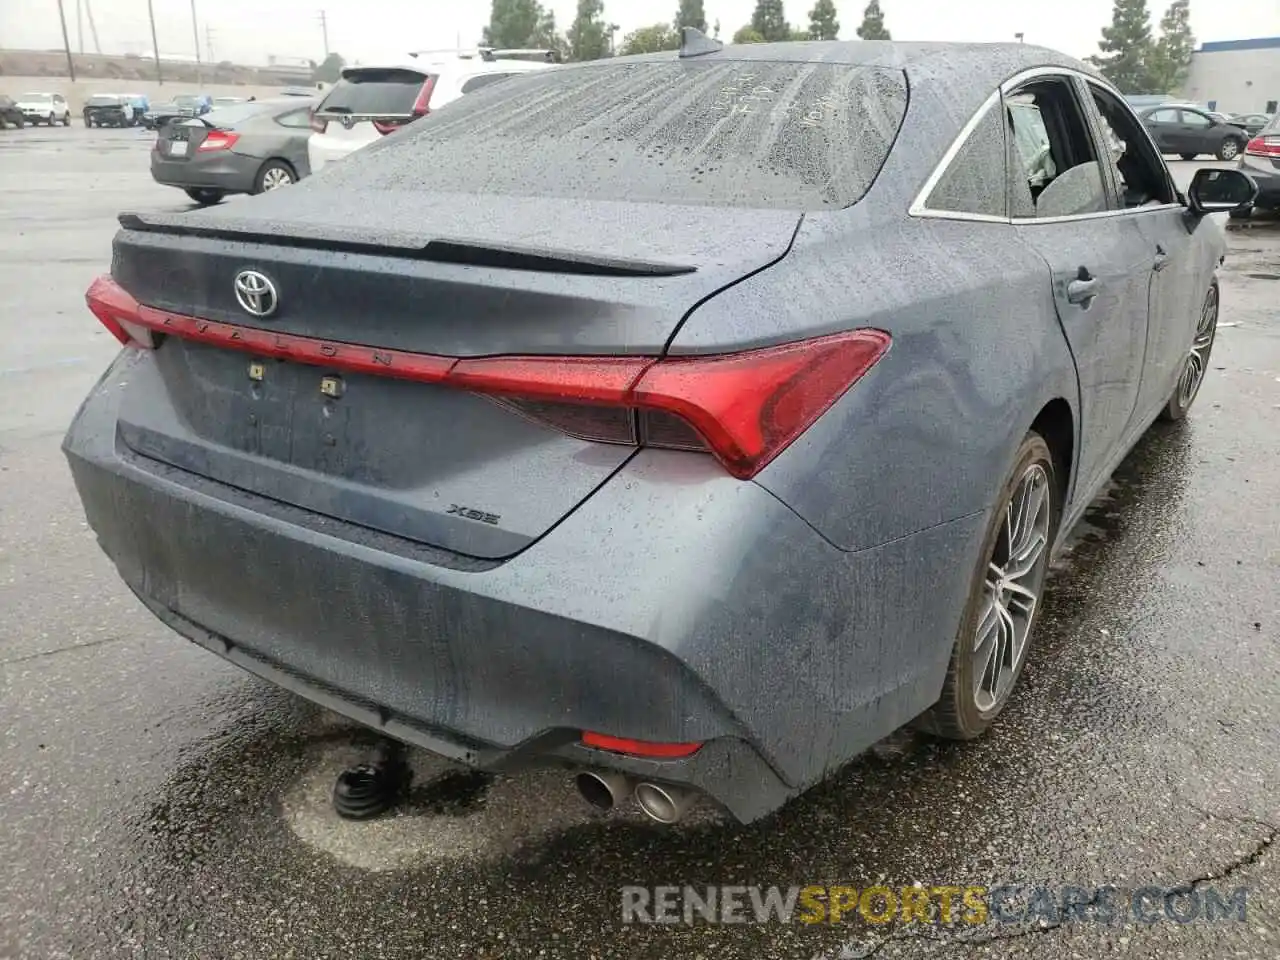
x,y
159,803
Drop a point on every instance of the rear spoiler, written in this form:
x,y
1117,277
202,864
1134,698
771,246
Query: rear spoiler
x,y
406,247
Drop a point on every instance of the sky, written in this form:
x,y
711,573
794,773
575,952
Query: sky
x,y
249,31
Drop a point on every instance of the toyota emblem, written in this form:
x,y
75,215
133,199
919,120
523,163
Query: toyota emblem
x,y
256,294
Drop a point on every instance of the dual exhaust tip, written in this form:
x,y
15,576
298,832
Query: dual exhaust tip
x,y
663,803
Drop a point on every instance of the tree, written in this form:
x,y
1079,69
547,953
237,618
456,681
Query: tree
x,y
716,34
514,23
748,34
1126,48
329,70
589,35
823,24
692,13
652,39
770,21
873,23
1171,55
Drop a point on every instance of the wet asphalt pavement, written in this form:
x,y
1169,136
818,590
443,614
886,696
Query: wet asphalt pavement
x,y
157,803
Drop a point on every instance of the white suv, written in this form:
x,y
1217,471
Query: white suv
x,y
47,108
369,102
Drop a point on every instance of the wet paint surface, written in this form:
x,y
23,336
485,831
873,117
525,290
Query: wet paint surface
x,y
158,803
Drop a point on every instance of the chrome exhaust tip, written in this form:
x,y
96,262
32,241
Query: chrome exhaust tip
x,y
603,790
663,803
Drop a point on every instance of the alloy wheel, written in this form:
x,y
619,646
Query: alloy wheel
x,y
1230,150
275,178
1197,362
1011,594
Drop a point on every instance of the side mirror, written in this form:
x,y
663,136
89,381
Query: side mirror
x,y
1220,191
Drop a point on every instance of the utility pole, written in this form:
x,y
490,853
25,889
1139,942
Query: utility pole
x,y
155,44
195,33
324,29
93,27
66,43
208,43
80,24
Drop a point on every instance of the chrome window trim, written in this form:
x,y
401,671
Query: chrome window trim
x,y
920,208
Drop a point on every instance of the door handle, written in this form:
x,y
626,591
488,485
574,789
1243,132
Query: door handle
x,y
1083,288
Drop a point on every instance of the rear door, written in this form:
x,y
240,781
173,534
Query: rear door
x,y
1165,126
1099,261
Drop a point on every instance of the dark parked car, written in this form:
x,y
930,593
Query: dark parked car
x,y
1252,123
246,148
1189,133
159,114
696,451
10,113
1261,161
108,110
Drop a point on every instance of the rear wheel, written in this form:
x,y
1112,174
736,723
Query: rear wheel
x,y
66,119
205,196
274,175
1189,156
1197,362
1230,148
1004,599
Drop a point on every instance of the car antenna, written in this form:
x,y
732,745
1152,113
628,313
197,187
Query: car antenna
x,y
695,43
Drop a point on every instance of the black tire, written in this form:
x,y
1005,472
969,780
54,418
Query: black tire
x,y
276,168
1189,156
21,122
205,196
1230,148
66,119
1181,399
957,715
1244,214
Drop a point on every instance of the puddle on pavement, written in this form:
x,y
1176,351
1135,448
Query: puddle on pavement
x,y
451,813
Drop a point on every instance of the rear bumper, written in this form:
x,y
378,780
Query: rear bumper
x,y
719,617
322,149
1267,176
226,170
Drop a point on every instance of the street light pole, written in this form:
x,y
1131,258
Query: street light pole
x,y
195,33
155,44
66,43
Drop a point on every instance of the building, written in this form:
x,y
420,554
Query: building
x,y
1236,76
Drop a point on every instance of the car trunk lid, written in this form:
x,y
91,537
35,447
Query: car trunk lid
x,y
415,274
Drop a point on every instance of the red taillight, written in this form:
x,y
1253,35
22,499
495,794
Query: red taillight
x,y
218,140
118,312
1263,147
317,124
387,126
422,105
639,748
745,408
750,406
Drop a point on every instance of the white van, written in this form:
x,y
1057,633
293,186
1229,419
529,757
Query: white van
x,y
369,102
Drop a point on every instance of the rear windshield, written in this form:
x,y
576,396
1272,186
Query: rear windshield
x,y
387,93
103,100
795,136
1273,126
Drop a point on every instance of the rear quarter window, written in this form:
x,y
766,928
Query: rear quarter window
x,y
803,136
375,92
1273,126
